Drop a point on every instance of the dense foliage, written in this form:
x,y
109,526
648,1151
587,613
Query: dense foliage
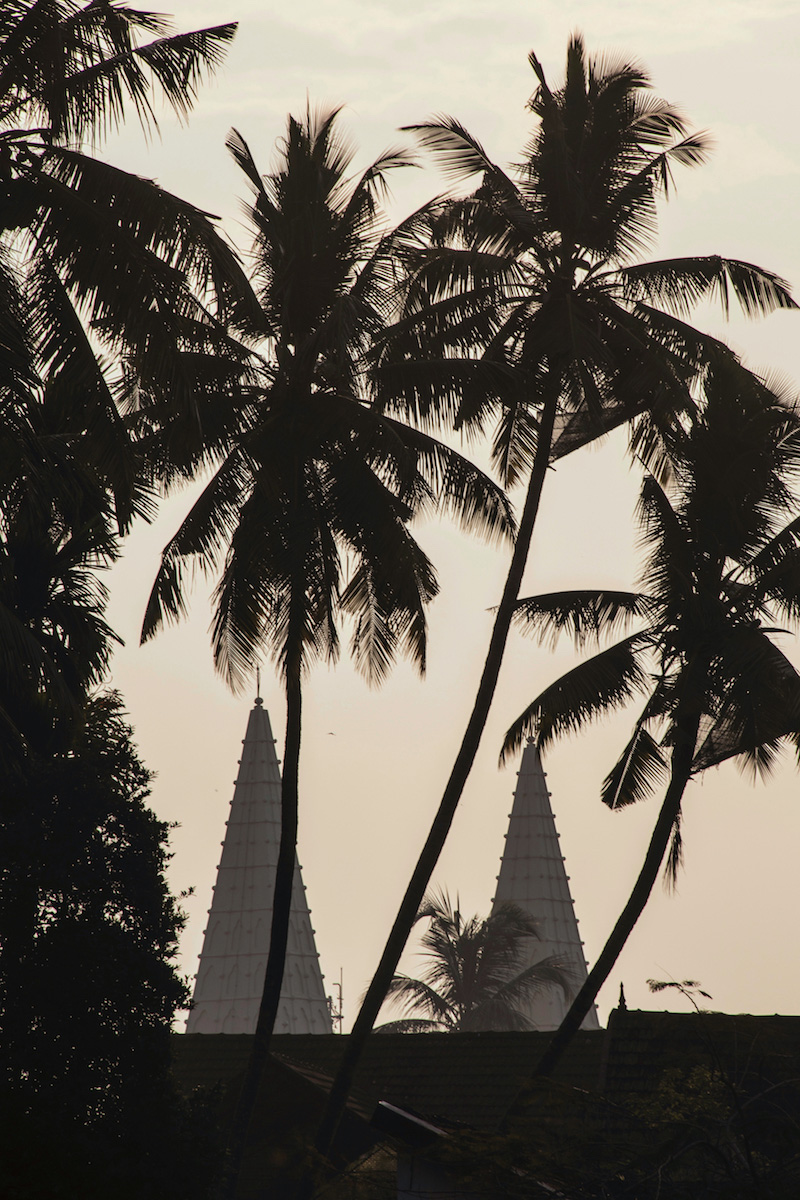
x,y
88,986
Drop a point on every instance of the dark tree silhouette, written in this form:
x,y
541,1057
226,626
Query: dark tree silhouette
x,y
722,577
309,510
528,297
88,985
111,289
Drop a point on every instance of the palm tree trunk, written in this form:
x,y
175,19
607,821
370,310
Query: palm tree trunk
x,y
680,773
378,988
279,933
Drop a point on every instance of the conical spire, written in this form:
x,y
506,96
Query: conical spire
x,y
233,962
533,876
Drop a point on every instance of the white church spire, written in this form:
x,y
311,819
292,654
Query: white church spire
x,y
533,876
233,961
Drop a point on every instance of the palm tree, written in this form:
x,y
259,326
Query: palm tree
x,y
722,575
112,292
111,289
527,297
309,509
474,978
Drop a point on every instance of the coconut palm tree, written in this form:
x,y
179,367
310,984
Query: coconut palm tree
x,y
722,576
475,977
527,298
307,516
110,287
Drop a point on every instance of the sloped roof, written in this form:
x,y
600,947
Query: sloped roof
x,y
459,1078
602,1114
750,1050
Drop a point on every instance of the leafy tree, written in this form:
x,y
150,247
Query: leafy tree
x,y
309,509
88,986
528,298
722,577
475,977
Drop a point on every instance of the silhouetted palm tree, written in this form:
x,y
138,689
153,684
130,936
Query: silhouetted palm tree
x,y
527,297
308,513
475,978
722,576
107,283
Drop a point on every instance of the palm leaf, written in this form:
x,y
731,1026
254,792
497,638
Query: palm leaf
x,y
95,88
760,703
415,994
458,154
640,770
204,532
597,686
682,283
583,614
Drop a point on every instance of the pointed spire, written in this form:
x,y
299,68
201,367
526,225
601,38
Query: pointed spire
x,y
230,977
533,876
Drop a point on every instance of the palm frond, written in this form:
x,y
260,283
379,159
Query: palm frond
x,y
639,771
759,690
168,242
203,534
583,614
459,488
597,686
457,153
682,283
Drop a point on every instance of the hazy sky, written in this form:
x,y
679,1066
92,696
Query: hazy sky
x,y
374,762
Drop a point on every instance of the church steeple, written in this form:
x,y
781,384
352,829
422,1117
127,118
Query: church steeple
x,y
533,876
233,961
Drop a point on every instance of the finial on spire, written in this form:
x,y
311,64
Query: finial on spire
x,y
259,701
622,1005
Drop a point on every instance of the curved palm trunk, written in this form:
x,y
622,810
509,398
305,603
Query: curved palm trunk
x,y
680,773
379,987
279,933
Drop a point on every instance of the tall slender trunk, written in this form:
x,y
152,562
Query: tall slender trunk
x,y
378,988
279,933
680,772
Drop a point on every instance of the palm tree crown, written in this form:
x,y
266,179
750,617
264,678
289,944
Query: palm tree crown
x,y
108,284
310,508
530,290
721,579
474,978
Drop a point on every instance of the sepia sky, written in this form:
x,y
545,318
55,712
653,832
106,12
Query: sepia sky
x,y
374,762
